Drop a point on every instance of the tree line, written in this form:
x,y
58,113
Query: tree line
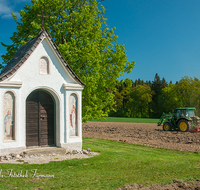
x,y
150,99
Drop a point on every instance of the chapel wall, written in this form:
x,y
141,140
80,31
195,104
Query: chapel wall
x,y
18,140
33,78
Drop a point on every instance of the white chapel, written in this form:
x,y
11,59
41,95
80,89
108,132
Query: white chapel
x,y
40,99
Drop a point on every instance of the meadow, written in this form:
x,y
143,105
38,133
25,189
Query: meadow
x,y
118,164
127,120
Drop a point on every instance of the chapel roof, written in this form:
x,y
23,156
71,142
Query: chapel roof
x,y
25,51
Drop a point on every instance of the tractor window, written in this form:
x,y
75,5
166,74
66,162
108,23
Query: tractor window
x,y
180,113
183,113
190,113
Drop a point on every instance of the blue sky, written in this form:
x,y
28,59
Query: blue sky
x,y
161,36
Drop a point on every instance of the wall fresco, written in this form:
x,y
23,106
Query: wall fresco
x,y
73,128
8,115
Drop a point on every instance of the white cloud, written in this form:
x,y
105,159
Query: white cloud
x,y
5,10
9,6
7,16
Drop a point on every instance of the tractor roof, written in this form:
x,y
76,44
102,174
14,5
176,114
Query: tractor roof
x,y
186,108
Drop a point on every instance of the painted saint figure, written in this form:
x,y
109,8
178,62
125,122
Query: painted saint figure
x,y
73,115
8,122
8,116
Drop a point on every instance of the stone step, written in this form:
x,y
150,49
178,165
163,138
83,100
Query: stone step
x,y
44,151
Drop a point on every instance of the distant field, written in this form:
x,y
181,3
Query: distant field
x,y
129,120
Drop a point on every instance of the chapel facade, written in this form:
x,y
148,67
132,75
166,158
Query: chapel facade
x,y
40,99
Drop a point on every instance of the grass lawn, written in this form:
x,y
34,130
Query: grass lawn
x,y
118,164
129,120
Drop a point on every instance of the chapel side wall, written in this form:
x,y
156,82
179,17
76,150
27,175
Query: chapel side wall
x,y
1,118
17,144
73,143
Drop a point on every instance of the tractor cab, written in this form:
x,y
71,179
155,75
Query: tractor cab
x,y
185,112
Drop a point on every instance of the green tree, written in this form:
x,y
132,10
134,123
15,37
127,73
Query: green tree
x,y
79,29
184,93
195,100
122,93
169,98
118,98
185,88
138,101
189,93
155,106
126,95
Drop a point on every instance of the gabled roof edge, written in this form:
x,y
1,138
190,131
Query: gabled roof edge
x,y
66,65
13,66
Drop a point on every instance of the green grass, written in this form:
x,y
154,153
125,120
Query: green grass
x,y
118,164
129,120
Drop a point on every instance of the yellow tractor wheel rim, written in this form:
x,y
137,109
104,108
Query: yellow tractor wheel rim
x,y
183,126
166,127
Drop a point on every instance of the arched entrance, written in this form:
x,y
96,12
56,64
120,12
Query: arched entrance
x,y
40,119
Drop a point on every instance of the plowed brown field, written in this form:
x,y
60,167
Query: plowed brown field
x,y
148,134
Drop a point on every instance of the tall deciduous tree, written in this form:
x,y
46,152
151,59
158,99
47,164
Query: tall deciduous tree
x,y
184,93
169,98
189,93
79,29
138,99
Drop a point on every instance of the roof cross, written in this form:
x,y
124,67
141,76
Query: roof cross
x,y
42,18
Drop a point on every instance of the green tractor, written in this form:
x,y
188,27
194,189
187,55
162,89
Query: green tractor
x,y
183,120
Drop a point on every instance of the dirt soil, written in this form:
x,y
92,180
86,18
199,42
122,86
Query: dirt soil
x,y
176,185
148,134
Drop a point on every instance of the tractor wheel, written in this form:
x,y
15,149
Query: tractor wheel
x,y
167,126
184,125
